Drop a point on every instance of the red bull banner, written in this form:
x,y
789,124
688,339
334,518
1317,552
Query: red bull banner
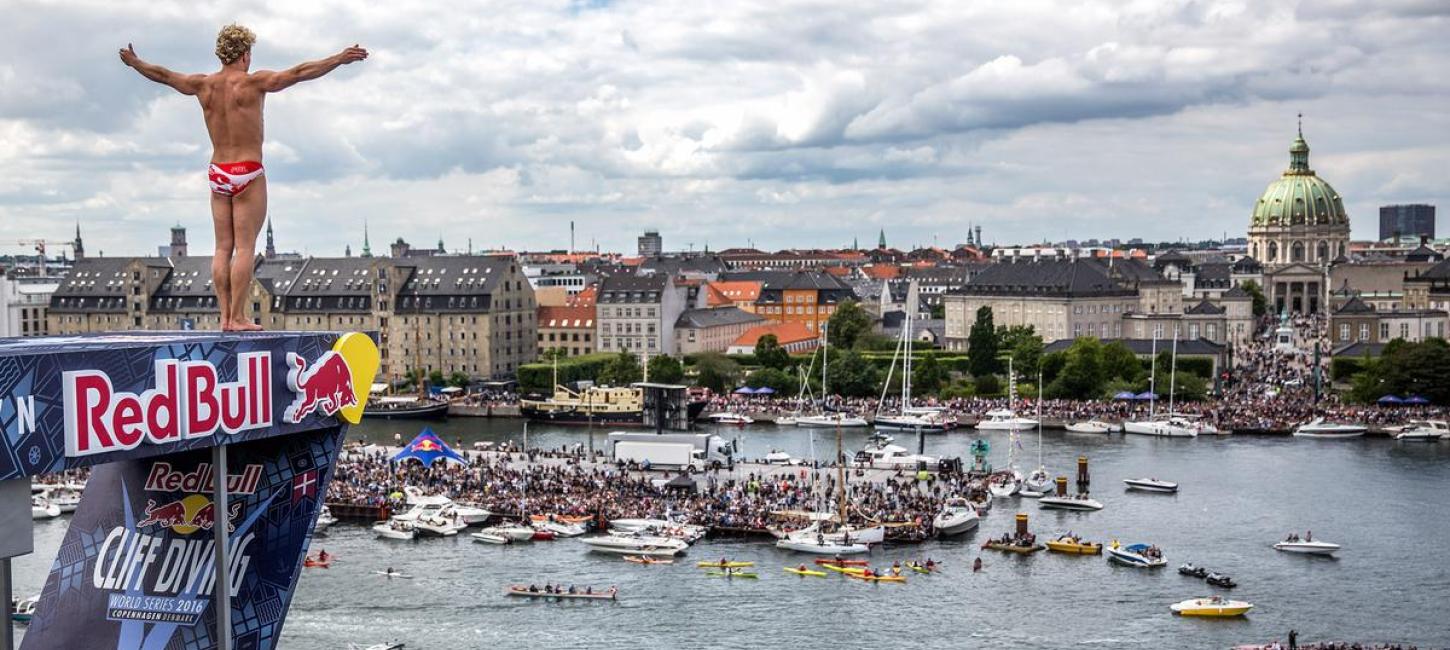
x,y
69,402
137,564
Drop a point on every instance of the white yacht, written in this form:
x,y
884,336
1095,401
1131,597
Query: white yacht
x,y
1166,426
394,529
1307,547
559,528
635,545
1427,431
1078,502
1005,420
1318,428
847,535
831,420
426,504
65,496
918,418
513,531
1142,556
731,418
688,533
1150,485
441,524
1093,426
893,456
42,508
821,548
957,517
324,519
778,457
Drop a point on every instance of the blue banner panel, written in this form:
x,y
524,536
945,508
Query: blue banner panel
x,y
69,402
135,571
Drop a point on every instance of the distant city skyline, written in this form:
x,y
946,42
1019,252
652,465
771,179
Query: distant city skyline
x,y
722,126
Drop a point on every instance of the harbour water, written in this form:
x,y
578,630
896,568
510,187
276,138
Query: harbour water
x,y
1385,502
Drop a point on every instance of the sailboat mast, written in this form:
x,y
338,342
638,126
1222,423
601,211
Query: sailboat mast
x,y
1153,378
1173,370
1039,416
841,471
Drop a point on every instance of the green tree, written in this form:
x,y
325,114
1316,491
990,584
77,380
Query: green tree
x,y
1025,348
1405,368
435,378
938,311
986,385
769,354
847,325
982,345
1120,363
928,375
1082,377
1261,303
666,369
459,379
1187,387
852,375
777,380
716,372
1052,365
621,370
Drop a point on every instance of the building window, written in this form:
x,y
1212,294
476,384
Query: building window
x,y
1405,331
1364,331
1344,331
1384,332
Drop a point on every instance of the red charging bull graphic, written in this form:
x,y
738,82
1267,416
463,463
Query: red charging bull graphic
x,y
325,386
193,513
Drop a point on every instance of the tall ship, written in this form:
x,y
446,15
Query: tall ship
x,y
620,407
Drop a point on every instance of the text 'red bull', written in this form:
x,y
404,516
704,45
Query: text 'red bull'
x,y
188,401
325,386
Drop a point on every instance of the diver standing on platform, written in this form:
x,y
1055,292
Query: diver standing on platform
x,y
231,103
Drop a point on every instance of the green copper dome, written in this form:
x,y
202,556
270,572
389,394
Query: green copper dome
x,y
1299,197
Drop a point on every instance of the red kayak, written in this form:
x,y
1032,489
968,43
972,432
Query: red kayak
x,y
844,562
543,536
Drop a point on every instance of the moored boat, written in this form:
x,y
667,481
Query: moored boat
x,y
730,418
491,538
324,520
1150,485
558,528
42,508
819,547
1427,431
957,517
1074,545
1318,428
635,545
515,532
22,610
1143,556
826,420
1093,426
1070,502
1211,606
405,408
393,529
1005,420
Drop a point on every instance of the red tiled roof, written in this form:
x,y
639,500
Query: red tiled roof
x,y
785,333
566,317
881,271
585,298
737,291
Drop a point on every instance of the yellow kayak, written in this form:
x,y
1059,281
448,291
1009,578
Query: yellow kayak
x,y
805,572
848,570
1074,546
724,565
876,578
922,568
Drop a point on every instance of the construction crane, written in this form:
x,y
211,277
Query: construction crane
x,y
40,245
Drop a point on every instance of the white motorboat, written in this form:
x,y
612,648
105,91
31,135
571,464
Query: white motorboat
x,y
918,418
66,496
42,508
636,545
470,514
821,548
688,533
560,528
426,505
511,530
1005,485
731,418
830,420
1215,606
786,420
22,610
957,517
1142,556
1427,431
1005,420
394,529
893,456
324,519
1150,485
1307,547
1093,426
491,538
439,525
1077,502
1165,426
1318,428
778,457
1038,481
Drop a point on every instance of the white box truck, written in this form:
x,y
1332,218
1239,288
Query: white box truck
x,y
662,455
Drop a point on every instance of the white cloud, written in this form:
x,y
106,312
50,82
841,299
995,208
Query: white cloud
x,y
785,123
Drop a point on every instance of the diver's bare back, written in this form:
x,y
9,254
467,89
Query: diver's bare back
x,y
231,103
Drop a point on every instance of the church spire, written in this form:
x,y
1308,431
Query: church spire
x,y
367,250
78,248
1299,153
271,250
881,240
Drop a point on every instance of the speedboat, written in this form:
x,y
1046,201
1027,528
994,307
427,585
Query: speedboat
x,y
1150,485
778,457
1093,426
23,609
1142,556
559,528
425,505
1318,428
1221,581
66,496
957,516
1427,431
42,508
324,519
731,418
1193,571
394,529
515,532
483,537
893,456
1212,606
917,418
1073,544
1075,502
635,545
831,420
1165,426
819,547
1306,547
786,420
1004,420
688,533
439,525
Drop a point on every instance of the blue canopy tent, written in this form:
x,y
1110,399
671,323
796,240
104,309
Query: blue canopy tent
x,y
1416,400
1127,394
765,390
428,448
744,390
1389,400
1146,395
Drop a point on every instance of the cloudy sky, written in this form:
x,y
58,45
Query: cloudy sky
x,y
724,123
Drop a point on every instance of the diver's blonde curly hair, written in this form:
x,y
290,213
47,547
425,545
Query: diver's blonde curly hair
x,y
232,42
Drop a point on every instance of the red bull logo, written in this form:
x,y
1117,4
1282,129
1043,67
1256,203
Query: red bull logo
x,y
426,445
188,401
187,515
324,387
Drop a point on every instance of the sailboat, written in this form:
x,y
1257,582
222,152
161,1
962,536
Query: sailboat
x,y
1169,425
1008,482
825,418
909,418
848,540
1039,481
